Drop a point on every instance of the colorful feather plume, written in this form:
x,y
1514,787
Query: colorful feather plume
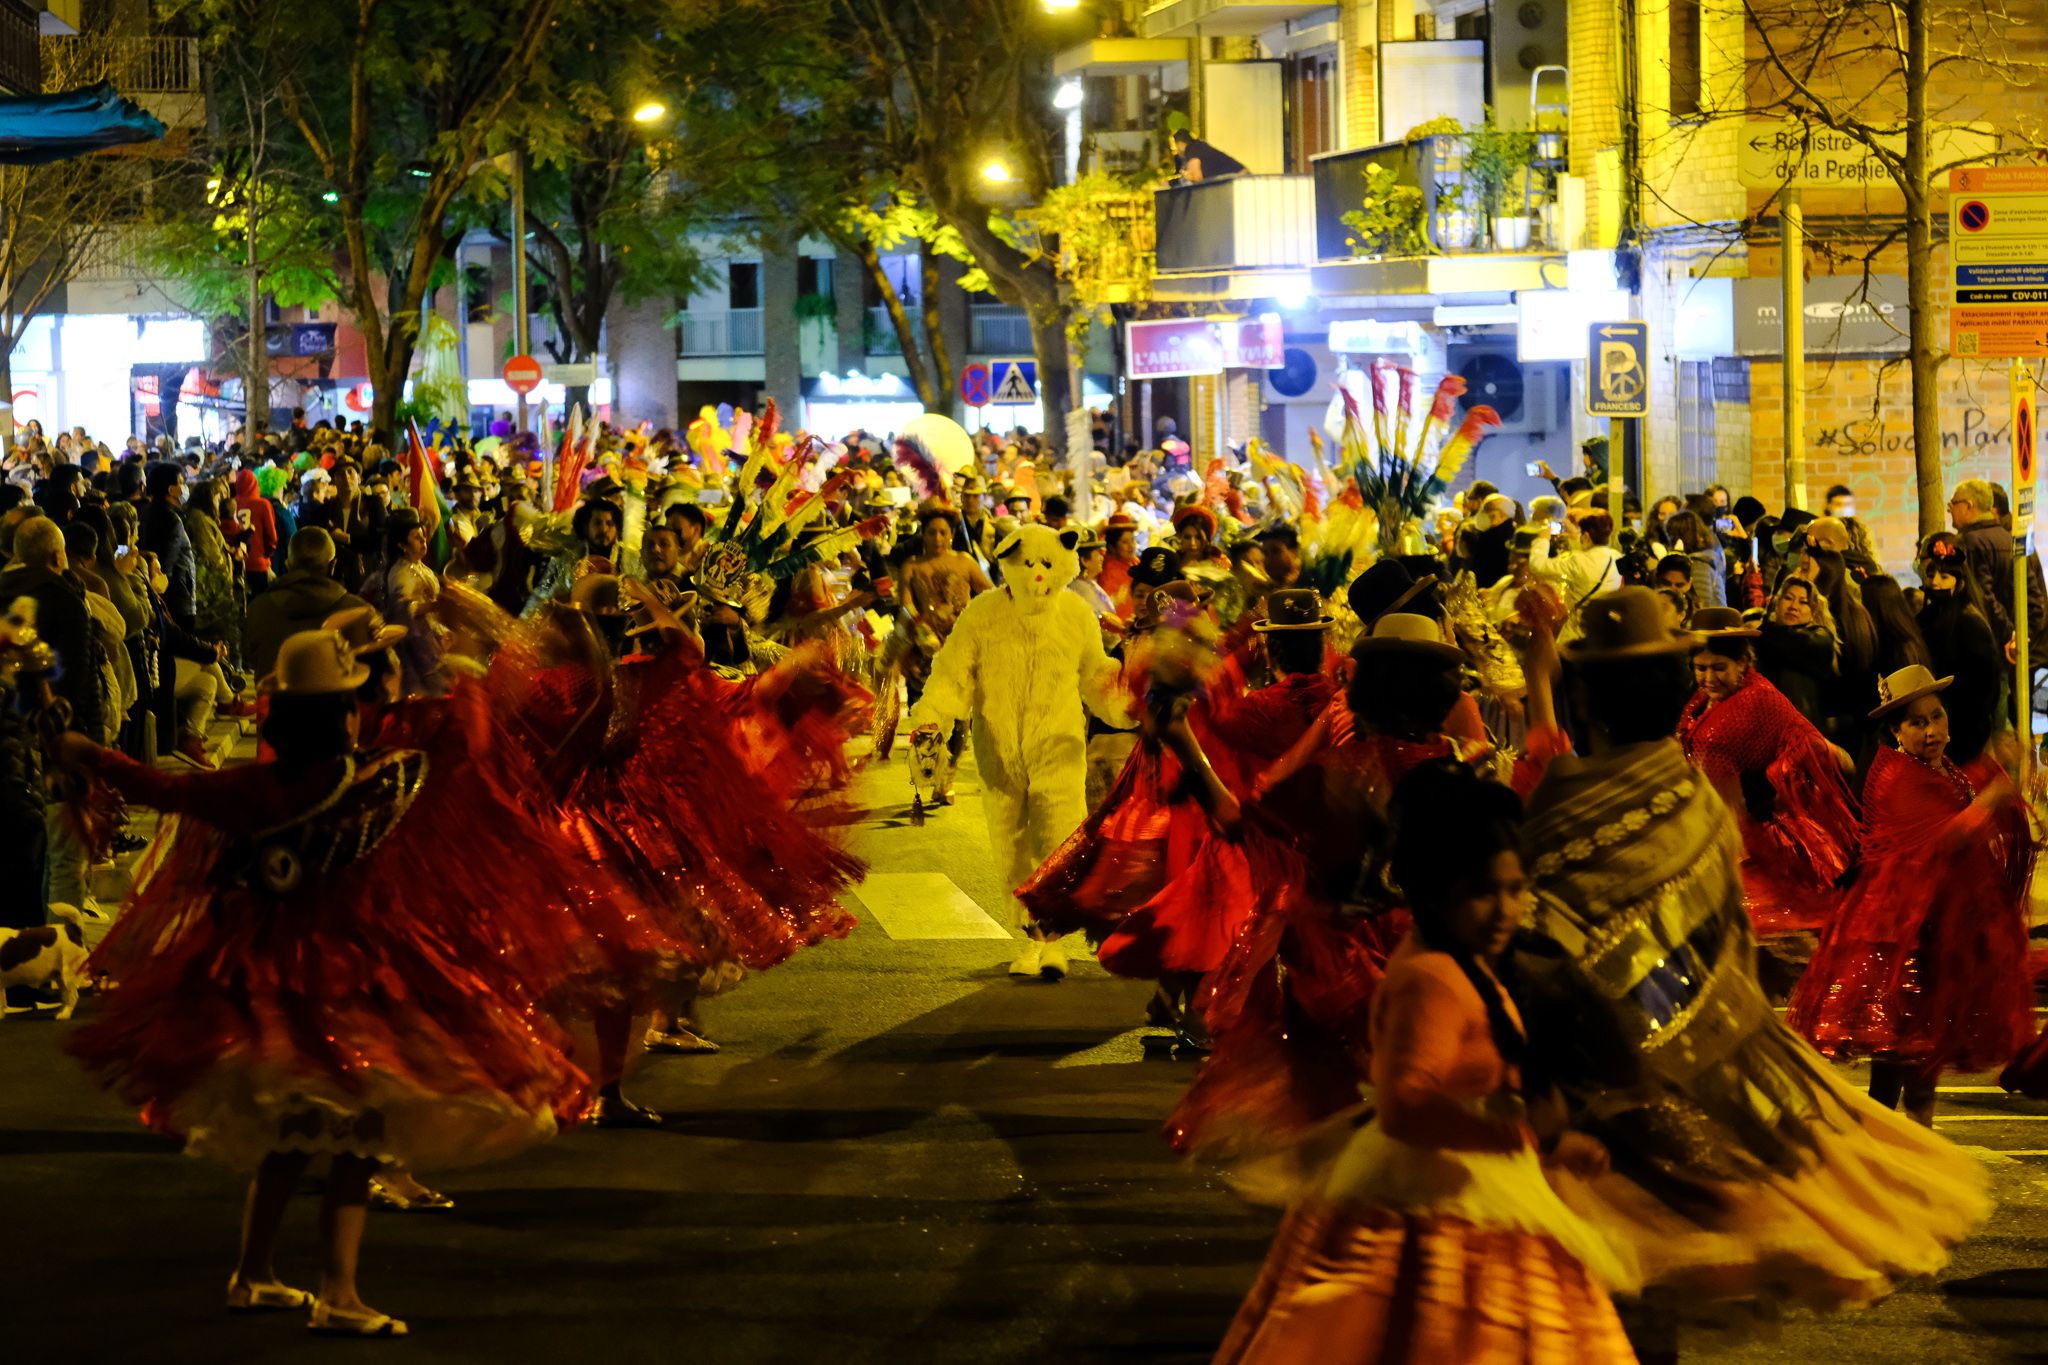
x,y
919,467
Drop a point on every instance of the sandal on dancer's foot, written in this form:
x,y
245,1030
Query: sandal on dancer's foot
x,y
677,1041
620,1112
244,1297
383,1195
341,1322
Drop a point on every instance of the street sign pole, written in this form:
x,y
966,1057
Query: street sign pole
x,y
1792,277
2024,448
519,265
1618,388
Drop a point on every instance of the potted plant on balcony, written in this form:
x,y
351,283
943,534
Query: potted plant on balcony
x,y
1390,222
1442,140
1497,163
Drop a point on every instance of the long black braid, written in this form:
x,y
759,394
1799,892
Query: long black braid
x,y
1448,821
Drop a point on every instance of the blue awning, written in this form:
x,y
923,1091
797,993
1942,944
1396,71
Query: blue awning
x,y
35,129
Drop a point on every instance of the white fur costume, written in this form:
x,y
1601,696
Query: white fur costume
x,y
1021,663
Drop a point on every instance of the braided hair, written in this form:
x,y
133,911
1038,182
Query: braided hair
x,y
1447,822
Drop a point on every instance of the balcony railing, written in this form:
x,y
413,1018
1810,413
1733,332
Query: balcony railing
x,y
1454,219
136,66
736,331
20,55
879,335
1236,222
998,331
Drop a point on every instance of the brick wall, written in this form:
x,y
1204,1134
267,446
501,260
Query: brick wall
x,y
1859,432
1358,27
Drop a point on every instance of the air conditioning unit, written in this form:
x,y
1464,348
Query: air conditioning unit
x,y
1533,398
1307,377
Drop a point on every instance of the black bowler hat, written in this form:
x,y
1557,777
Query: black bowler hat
x,y
1156,567
1295,609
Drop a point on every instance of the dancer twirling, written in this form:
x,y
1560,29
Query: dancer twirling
x,y
286,990
1925,968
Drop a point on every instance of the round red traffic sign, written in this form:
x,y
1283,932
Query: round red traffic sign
x,y
522,374
1974,216
975,386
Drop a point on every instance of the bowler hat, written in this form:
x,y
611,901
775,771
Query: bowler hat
x,y
364,629
1895,691
1400,632
1295,609
1722,623
315,663
1627,623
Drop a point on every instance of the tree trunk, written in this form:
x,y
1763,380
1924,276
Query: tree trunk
x,y
1927,357
906,334
781,333
1055,390
944,378
256,359
7,426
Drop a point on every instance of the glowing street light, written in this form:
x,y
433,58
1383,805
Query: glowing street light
x,y
996,171
1059,6
651,111
1068,96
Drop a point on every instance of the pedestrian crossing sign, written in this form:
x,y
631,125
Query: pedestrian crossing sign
x,y
1016,381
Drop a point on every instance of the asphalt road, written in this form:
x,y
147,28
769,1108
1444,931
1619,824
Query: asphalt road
x,y
900,1155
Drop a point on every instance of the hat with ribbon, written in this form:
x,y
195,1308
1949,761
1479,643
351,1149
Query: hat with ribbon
x,y
1722,623
365,630
315,663
1896,691
1295,609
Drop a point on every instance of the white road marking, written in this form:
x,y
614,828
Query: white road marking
x,y
925,905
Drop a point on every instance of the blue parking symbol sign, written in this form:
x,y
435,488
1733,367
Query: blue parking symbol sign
x,y
1618,370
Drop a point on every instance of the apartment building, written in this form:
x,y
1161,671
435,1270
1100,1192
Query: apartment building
x,y
1614,194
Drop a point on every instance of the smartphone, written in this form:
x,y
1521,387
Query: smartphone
x,y
1556,528
1724,524
1534,469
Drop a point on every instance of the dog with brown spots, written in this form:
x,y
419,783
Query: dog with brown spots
x,y
45,954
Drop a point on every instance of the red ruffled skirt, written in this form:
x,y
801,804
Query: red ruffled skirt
x,y
392,1009
1289,1019
1124,854
699,830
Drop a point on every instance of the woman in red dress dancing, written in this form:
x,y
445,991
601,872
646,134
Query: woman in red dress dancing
x,y
1778,774
1925,966
287,989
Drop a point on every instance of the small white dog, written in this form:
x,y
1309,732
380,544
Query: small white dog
x,y
47,953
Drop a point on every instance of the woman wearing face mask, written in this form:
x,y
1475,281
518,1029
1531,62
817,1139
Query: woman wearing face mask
x,y
1776,771
1960,644
1925,968
1451,1169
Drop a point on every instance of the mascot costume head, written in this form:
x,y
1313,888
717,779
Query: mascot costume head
x,y
1038,562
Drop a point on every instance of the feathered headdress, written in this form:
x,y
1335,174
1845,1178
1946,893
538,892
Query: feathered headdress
x,y
763,539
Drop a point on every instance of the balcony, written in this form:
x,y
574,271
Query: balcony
x,y
136,66
1214,18
998,331
737,331
1448,218
20,59
1215,238
1119,57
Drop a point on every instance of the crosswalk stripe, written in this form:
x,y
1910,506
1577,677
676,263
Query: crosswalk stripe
x,y
925,905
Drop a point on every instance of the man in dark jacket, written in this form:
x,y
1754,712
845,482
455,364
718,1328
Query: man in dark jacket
x,y
305,595
163,535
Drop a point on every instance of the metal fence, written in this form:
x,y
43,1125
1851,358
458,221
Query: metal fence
x,y
136,66
734,332
998,331
20,57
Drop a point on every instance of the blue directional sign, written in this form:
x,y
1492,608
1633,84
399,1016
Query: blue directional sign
x,y
1618,370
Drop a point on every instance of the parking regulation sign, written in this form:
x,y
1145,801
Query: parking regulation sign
x,y
1618,369
1998,248
975,386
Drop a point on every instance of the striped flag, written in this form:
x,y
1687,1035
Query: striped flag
x,y
424,489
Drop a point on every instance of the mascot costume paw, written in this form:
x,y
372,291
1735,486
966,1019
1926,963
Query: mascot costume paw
x,y
1021,664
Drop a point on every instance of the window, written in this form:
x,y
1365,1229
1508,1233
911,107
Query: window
x,y
1312,92
814,275
743,284
1685,58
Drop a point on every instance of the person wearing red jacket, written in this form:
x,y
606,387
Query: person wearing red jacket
x,y
260,525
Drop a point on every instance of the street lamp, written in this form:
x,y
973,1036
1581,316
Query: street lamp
x,y
1059,6
1068,96
996,171
651,111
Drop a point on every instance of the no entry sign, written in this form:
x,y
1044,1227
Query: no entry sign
x,y
522,374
